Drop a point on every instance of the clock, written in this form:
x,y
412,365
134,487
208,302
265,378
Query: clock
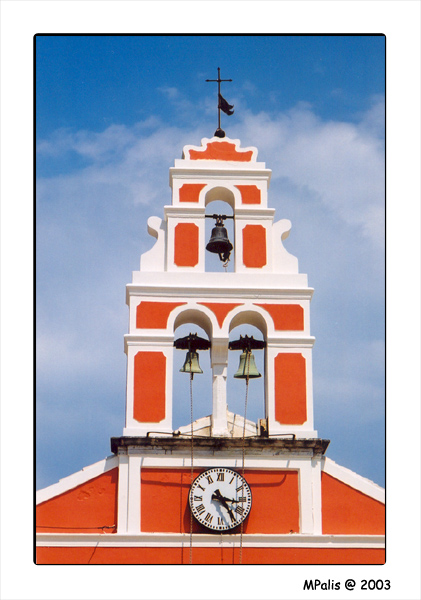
x,y
220,499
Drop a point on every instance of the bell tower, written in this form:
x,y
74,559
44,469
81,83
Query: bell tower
x,y
264,290
266,487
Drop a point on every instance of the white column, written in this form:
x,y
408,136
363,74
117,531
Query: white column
x,y
219,361
306,498
123,487
133,504
316,482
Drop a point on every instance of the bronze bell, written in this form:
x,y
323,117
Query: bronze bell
x,y
219,242
191,364
247,368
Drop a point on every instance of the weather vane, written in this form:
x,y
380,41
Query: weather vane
x,y
223,105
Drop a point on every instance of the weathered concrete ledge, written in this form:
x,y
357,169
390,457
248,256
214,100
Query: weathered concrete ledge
x,y
183,442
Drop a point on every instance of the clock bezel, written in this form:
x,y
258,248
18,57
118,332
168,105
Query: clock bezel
x,y
205,516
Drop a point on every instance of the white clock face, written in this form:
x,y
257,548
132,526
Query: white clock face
x,y
220,499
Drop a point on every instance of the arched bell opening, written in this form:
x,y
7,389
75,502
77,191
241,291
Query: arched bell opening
x,y
192,372
247,363
219,201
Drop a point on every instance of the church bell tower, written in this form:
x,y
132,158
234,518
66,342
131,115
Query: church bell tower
x,y
266,487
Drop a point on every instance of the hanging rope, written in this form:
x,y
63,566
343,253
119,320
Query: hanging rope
x,y
243,450
191,463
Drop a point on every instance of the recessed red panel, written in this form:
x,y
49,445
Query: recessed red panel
x,y
186,245
290,389
149,387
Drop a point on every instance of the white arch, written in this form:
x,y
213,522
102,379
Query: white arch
x,y
225,193
195,314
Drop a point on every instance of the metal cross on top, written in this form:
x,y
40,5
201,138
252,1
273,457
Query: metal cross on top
x,y
222,104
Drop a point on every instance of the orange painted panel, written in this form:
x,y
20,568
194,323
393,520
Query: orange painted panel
x,y
186,245
164,501
220,309
87,508
149,386
221,151
254,246
154,315
348,511
288,317
208,556
290,388
250,194
189,192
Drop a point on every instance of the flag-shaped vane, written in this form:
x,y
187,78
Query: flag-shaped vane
x,y
224,106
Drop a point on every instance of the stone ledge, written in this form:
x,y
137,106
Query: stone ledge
x,y
183,442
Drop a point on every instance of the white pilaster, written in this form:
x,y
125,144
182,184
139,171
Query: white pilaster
x,y
123,492
133,504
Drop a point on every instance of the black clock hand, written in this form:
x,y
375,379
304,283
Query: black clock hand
x,y
218,496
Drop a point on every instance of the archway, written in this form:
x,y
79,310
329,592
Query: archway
x,y
219,201
187,322
250,324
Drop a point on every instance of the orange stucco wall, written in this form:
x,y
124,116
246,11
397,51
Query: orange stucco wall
x,y
164,501
250,194
290,388
149,387
286,317
85,509
220,309
154,315
254,246
346,510
221,151
228,556
189,192
186,245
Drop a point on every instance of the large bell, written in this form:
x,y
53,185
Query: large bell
x,y
191,364
247,368
219,242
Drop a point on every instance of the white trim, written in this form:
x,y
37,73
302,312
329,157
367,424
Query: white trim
x,y
123,493
209,541
367,487
78,478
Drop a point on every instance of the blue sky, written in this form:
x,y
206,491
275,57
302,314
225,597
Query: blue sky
x,y
113,112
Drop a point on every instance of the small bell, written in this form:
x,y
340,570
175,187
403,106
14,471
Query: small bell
x,y
219,242
247,367
191,364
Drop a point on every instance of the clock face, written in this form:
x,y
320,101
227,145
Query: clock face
x,y
220,499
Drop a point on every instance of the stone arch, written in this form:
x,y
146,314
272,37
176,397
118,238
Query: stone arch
x,y
227,193
196,315
247,315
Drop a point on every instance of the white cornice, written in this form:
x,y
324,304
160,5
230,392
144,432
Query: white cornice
x,y
215,289
113,540
78,478
362,484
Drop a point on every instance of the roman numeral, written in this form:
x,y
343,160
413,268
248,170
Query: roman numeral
x,y
202,488
242,499
220,521
239,488
232,479
220,476
197,498
239,510
209,478
209,518
200,509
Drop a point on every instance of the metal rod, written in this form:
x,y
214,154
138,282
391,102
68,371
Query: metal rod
x,y
218,81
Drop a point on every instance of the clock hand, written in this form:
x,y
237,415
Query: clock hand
x,y
218,496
